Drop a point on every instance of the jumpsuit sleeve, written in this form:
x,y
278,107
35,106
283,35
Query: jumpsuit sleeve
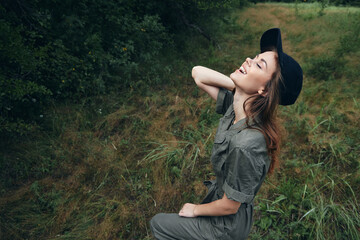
x,y
243,173
224,99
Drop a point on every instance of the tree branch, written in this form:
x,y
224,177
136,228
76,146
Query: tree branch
x,y
197,28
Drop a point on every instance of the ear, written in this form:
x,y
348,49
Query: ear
x,y
262,92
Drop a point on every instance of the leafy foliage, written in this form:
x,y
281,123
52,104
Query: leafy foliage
x,y
59,50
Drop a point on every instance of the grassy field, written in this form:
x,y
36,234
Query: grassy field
x,y
105,166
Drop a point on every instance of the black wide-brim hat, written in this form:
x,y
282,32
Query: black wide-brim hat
x,y
292,75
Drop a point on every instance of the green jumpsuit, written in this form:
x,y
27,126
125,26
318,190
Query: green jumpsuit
x,y
240,162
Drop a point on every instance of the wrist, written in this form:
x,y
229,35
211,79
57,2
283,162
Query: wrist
x,y
195,213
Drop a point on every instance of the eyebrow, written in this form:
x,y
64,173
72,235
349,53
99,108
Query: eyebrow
x,y
263,60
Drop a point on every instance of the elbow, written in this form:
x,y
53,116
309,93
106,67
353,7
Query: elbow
x,y
232,210
228,209
195,74
194,71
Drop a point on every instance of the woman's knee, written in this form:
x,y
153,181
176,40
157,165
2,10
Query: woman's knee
x,y
156,222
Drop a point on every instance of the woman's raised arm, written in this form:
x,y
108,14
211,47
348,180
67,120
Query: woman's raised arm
x,y
210,81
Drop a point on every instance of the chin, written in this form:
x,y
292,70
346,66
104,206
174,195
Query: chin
x,y
236,81
234,77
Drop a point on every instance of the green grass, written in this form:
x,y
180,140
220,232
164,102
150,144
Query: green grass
x,y
100,169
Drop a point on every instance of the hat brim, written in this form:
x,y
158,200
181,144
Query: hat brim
x,y
291,71
271,41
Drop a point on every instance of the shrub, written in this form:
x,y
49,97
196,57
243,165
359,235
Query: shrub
x,y
325,67
57,50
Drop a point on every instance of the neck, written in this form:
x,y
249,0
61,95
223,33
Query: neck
x,y
239,99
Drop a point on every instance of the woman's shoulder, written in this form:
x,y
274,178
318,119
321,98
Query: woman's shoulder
x,y
249,139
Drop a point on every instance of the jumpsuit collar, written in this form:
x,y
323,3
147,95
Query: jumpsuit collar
x,y
241,124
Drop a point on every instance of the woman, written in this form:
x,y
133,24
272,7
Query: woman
x,y
246,143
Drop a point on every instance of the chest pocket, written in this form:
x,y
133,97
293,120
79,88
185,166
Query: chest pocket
x,y
219,152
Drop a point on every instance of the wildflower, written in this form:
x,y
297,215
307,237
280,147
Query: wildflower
x,y
124,49
143,30
62,81
73,69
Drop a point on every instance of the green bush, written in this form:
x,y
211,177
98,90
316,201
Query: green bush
x,y
350,41
68,50
325,67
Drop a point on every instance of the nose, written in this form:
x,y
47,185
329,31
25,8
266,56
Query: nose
x,y
249,61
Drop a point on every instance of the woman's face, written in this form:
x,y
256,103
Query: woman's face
x,y
254,74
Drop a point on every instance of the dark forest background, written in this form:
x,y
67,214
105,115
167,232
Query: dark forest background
x,y
102,127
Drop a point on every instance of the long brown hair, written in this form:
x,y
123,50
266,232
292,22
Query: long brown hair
x,y
262,110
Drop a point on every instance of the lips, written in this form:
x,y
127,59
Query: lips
x,y
242,70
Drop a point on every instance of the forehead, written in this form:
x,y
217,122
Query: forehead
x,y
271,59
268,54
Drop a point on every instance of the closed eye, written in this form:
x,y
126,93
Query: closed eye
x,y
262,60
257,63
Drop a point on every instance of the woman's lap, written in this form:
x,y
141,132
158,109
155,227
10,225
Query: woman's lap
x,y
166,226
